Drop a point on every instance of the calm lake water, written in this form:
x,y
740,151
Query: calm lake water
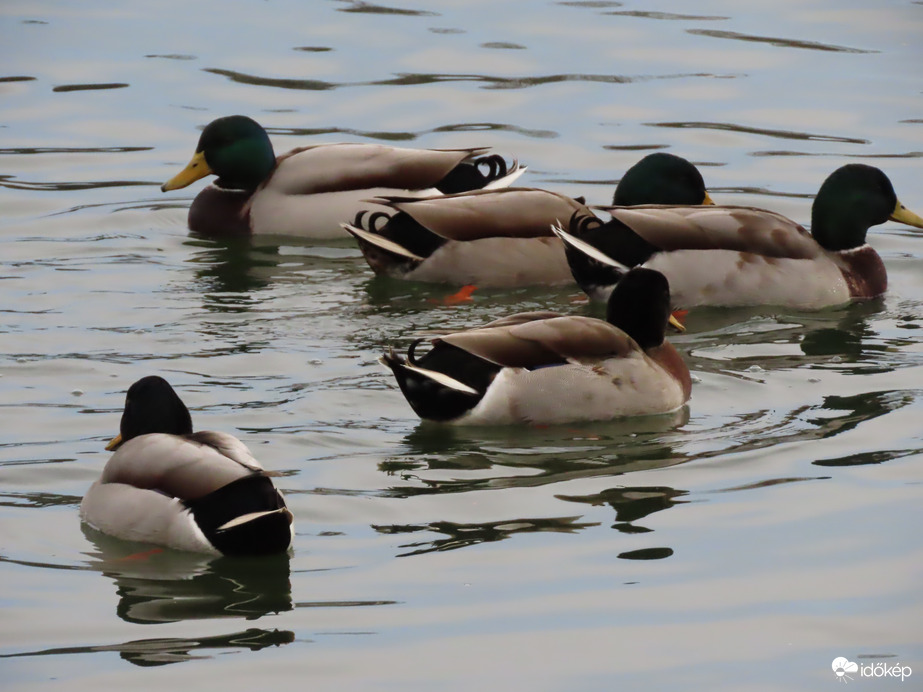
x,y
742,543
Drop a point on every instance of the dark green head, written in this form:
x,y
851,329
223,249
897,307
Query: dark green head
x,y
640,306
661,179
236,149
852,199
151,406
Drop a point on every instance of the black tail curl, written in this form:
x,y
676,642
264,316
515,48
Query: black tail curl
x,y
474,175
370,220
496,166
430,399
580,222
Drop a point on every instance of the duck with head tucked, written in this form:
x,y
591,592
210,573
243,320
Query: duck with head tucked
x,y
501,238
544,368
201,492
308,192
736,256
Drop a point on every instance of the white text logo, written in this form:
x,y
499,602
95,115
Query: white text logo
x,y
842,667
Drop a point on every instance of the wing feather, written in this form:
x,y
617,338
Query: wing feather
x,y
186,467
533,343
509,212
360,166
744,229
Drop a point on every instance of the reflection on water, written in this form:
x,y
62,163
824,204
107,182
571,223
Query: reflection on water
x,y
233,265
557,453
762,131
464,535
162,651
156,585
631,503
372,8
780,42
277,338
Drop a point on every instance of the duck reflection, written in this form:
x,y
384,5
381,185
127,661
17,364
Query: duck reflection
x,y
159,652
231,272
157,585
850,340
631,503
464,535
232,265
554,454
861,408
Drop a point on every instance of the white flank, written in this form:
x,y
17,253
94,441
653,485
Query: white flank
x,y
731,278
498,261
609,388
147,516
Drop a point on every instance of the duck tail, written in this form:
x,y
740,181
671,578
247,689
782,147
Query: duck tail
x,y
594,269
487,172
385,256
505,176
245,517
433,395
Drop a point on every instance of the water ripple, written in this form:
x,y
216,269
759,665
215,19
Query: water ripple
x,y
670,16
781,42
370,8
89,87
766,132
394,136
7,181
303,84
464,535
162,651
417,79
72,150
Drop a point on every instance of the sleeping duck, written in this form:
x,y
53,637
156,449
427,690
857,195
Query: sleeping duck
x,y
202,492
737,256
544,368
309,191
504,237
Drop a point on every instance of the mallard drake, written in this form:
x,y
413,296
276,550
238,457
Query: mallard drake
x,y
725,255
309,191
202,492
544,368
504,237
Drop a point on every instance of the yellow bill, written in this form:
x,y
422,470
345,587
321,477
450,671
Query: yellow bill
x,y
194,170
708,200
904,215
114,443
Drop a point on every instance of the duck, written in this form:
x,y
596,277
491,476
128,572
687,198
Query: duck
x,y
201,492
743,256
504,237
307,192
542,368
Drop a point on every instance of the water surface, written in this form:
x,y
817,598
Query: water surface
x,y
743,542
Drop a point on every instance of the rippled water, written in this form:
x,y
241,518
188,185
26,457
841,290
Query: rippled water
x,y
428,558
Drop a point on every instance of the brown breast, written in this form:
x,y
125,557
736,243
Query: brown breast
x,y
864,272
670,360
217,212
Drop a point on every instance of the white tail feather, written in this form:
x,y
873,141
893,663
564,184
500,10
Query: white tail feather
x,y
381,242
439,377
587,249
244,518
508,179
